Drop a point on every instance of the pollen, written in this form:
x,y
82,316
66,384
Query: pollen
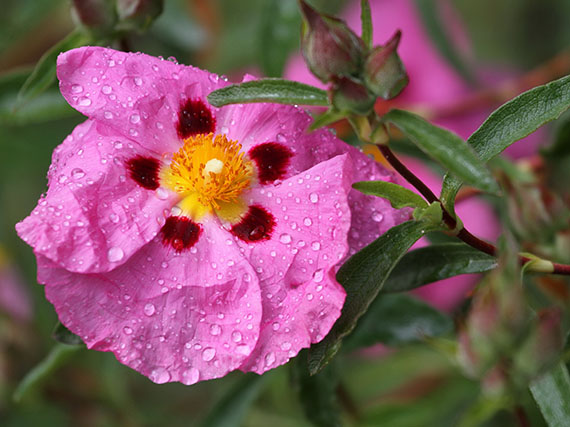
x,y
210,173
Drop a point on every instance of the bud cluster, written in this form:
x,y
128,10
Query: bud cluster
x,y
357,74
502,342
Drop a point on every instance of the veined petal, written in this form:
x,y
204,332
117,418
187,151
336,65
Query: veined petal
x,y
296,267
94,216
173,317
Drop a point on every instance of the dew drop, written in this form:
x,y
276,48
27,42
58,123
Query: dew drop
x,y
115,254
318,275
315,246
377,216
276,326
159,375
108,115
243,349
161,193
280,138
190,376
77,173
208,354
285,238
127,330
84,102
269,359
76,88
314,197
138,81
285,346
236,336
106,89
215,329
149,309
135,118
308,221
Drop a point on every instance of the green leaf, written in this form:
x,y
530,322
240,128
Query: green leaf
x,y
44,73
512,121
436,262
363,276
328,117
395,320
552,394
278,35
58,354
398,196
317,393
445,147
49,105
268,90
366,20
232,408
436,29
65,336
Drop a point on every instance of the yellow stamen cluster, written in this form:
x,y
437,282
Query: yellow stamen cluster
x,y
210,173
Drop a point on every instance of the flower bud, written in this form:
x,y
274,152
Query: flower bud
x,y
329,47
98,16
138,14
348,95
543,346
384,73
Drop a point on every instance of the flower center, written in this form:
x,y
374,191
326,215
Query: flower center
x,y
210,173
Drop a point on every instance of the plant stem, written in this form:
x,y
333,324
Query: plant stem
x,y
463,234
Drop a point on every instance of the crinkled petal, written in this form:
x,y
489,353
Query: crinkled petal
x,y
172,317
296,267
93,216
138,95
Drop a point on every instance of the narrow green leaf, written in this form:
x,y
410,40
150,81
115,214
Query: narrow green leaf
x,y
512,121
44,73
436,262
58,354
366,20
445,147
328,117
232,408
268,90
436,29
363,276
279,35
395,320
317,393
552,394
398,196
63,335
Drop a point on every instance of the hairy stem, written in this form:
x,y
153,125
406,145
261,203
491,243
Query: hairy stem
x,y
463,234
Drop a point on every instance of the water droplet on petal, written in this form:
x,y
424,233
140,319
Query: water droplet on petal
x,y
190,376
307,221
314,197
149,309
215,329
208,354
127,330
236,336
243,349
135,118
315,246
285,238
269,359
161,193
377,216
76,88
106,89
138,81
159,375
84,102
77,173
285,346
115,254
318,275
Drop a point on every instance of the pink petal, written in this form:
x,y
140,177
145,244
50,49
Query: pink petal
x,y
296,267
138,95
172,317
94,216
260,123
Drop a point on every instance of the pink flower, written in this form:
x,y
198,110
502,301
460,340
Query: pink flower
x,y
190,240
14,298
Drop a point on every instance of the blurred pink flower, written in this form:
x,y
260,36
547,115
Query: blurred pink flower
x,y
14,300
191,240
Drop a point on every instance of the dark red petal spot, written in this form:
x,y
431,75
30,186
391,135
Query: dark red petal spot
x,y
180,232
271,159
195,118
144,170
257,224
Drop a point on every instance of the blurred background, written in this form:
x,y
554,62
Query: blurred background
x,y
464,59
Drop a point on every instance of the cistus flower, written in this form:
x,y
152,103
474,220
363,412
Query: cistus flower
x,y
190,240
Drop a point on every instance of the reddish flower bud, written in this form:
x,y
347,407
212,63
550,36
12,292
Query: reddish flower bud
x,y
329,47
98,16
138,14
349,95
384,73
